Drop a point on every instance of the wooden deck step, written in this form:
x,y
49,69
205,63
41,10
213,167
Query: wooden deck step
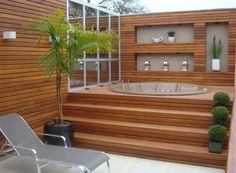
x,y
138,114
172,129
177,103
150,149
150,132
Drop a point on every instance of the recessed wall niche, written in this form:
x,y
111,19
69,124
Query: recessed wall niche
x,y
220,30
184,33
156,61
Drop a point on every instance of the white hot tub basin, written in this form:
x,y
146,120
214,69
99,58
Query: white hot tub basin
x,y
159,88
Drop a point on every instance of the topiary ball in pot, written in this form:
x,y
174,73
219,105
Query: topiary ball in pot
x,y
220,115
221,99
217,135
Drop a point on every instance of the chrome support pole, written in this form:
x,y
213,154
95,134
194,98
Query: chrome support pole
x,y
108,167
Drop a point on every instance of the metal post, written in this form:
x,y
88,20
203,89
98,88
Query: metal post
x,y
108,167
119,52
84,55
109,65
98,56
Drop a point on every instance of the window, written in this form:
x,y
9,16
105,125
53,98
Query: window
x,y
100,68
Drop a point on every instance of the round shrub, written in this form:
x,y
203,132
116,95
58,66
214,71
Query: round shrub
x,y
221,99
217,133
220,115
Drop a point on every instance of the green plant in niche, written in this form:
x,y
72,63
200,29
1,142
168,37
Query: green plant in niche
x,y
171,33
217,133
68,44
220,115
221,99
216,48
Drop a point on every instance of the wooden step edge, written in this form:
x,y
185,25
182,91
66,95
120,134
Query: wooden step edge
x,y
201,151
159,153
145,155
139,125
138,97
144,110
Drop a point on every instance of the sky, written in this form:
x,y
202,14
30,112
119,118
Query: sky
x,y
183,5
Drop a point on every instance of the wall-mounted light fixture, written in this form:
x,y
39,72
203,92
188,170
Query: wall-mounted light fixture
x,y
147,65
9,35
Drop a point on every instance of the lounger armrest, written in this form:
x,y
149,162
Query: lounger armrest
x,y
56,136
33,151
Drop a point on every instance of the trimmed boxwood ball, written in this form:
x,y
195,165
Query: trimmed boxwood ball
x,y
221,99
217,133
220,115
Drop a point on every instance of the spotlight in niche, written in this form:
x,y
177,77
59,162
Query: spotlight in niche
x,y
147,65
165,65
184,66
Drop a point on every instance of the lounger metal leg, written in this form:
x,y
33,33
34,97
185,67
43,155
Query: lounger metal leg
x,y
38,166
108,167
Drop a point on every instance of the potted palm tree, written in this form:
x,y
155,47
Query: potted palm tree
x,y
216,50
68,44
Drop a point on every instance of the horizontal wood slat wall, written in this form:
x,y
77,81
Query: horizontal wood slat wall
x,y
130,49
23,86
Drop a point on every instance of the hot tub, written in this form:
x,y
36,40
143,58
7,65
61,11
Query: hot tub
x,y
166,89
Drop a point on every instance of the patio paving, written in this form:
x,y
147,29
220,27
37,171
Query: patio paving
x,y
119,164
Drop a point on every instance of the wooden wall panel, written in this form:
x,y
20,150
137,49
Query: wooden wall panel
x,y
23,86
129,47
200,53
231,167
231,160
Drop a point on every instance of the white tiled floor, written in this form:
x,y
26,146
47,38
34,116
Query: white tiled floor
x,y
124,164
119,164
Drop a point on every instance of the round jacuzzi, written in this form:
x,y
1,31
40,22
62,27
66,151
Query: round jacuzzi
x,y
159,88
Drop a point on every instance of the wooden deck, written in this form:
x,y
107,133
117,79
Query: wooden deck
x,y
172,128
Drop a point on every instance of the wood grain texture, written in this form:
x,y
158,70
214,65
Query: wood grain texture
x,y
145,126
23,86
155,150
130,49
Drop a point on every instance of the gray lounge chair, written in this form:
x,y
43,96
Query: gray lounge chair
x,y
26,143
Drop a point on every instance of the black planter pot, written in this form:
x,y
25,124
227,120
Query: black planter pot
x,y
66,130
216,147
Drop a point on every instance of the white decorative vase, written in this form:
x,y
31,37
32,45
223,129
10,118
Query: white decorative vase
x,y
215,64
171,39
